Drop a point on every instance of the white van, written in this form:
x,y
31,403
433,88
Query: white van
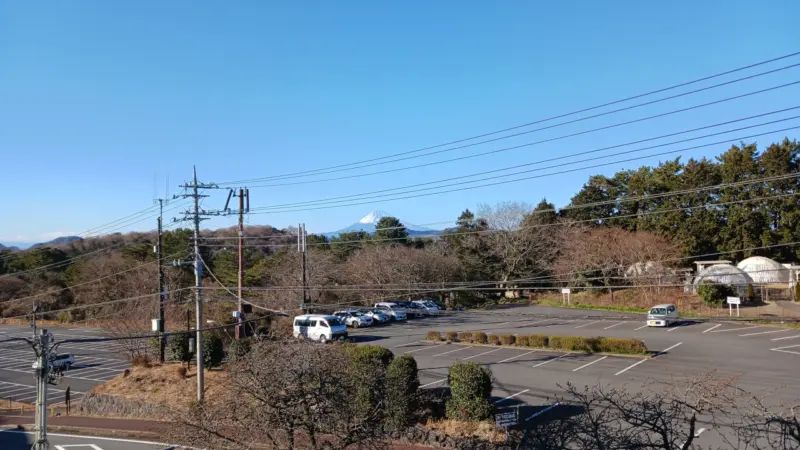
x,y
319,327
662,315
393,310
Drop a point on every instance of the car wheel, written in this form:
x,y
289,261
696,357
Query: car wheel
x,y
322,339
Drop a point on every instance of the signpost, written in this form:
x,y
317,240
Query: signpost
x,y
734,301
506,417
565,295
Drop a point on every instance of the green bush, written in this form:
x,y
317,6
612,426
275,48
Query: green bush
x,y
369,354
434,336
797,292
465,336
507,339
714,294
538,341
493,339
573,343
522,340
452,336
616,345
471,387
368,365
238,348
479,338
402,383
178,346
213,350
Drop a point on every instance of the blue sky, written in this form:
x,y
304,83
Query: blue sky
x,y
99,98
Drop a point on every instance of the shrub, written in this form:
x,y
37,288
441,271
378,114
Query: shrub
x,y
538,341
451,336
367,366
616,345
750,294
797,292
465,336
238,348
434,336
479,338
369,354
178,345
507,339
402,383
573,343
522,340
213,350
713,294
493,339
471,386
140,361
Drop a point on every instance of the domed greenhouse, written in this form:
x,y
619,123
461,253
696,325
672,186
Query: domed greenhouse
x,y
764,270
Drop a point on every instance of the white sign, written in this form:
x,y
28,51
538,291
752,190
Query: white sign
x,y
565,291
734,301
506,418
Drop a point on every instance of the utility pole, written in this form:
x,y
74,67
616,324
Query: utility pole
x,y
193,191
244,207
162,288
301,246
42,347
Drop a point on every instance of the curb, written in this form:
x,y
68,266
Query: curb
x,y
90,431
551,350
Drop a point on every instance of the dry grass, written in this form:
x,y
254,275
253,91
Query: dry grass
x,y
485,430
169,384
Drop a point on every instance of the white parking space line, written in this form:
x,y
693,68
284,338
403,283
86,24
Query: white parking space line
x,y
587,324
735,329
783,349
715,326
612,326
515,357
481,354
639,362
765,332
643,326
677,327
550,360
451,351
407,345
511,396
423,348
786,337
589,363
433,382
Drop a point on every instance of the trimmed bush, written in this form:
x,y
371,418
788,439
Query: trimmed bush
x,y
402,383
479,338
508,339
493,339
471,386
178,347
714,294
538,341
369,354
616,345
451,336
522,340
573,343
213,350
465,336
434,336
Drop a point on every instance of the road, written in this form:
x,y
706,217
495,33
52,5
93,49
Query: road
x,y
16,440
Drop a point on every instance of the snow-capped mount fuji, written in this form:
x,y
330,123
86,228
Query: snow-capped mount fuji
x,y
368,223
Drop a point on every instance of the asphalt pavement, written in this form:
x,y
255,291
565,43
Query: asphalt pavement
x,y
22,440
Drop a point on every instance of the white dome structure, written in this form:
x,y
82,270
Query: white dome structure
x,y
653,272
764,270
723,274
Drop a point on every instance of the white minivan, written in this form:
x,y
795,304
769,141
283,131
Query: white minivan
x,y
319,327
662,315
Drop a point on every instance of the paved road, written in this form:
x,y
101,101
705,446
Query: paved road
x,y
16,440
95,363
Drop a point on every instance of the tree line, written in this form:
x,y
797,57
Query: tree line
x,y
742,199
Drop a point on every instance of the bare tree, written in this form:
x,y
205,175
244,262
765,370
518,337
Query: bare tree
x,y
285,395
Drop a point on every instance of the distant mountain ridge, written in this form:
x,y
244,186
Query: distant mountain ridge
x,y
368,225
19,246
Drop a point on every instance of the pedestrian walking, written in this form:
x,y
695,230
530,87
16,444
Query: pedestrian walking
x,y
66,399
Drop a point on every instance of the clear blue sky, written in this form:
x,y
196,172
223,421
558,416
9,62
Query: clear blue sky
x,y
98,97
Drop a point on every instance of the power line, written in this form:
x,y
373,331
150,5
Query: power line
x,y
594,166
315,171
516,166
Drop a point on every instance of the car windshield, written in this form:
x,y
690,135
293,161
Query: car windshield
x,y
658,311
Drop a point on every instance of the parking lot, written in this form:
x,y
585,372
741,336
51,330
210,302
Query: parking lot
x,y
95,363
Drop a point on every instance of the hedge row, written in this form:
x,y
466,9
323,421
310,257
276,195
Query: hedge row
x,y
567,343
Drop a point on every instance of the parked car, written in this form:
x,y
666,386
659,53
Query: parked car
x,y
411,309
662,315
319,327
354,319
377,315
428,306
63,361
394,311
